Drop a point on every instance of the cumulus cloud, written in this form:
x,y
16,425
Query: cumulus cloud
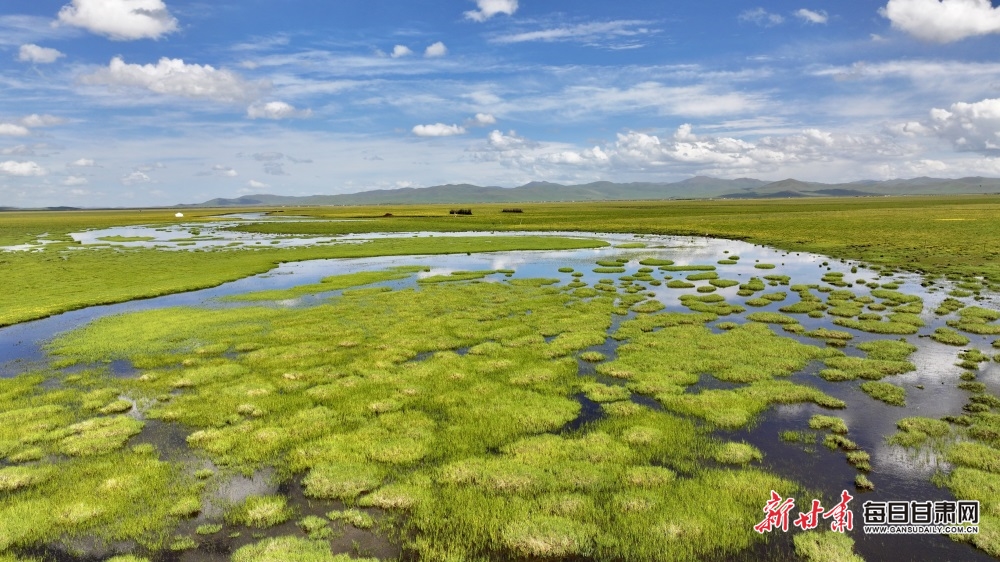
x,y
174,77
44,120
943,21
592,32
436,50
400,51
643,152
254,184
13,130
21,169
120,20
74,181
38,55
134,178
275,110
482,120
438,130
761,17
83,163
810,16
489,8
970,127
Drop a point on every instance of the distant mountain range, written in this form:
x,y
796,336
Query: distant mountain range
x,y
699,187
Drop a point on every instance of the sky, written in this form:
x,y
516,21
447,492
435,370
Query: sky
x,y
158,102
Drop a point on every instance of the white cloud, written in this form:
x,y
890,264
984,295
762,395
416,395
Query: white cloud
x,y
225,171
44,120
584,32
21,169
400,51
254,184
120,20
482,120
943,21
12,130
38,55
275,110
638,152
135,178
176,78
761,17
970,127
438,130
810,16
686,101
74,181
489,8
82,163
436,50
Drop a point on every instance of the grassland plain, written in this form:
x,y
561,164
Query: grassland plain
x,y
331,395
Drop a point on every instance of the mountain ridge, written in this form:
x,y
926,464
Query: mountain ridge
x,y
698,187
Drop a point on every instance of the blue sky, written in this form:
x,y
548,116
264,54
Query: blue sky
x,y
153,102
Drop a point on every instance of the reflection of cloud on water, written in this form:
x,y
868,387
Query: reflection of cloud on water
x,y
911,463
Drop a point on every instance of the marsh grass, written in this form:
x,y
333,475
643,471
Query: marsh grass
x,y
916,431
354,517
833,423
877,327
862,483
260,512
771,318
859,459
737,453
949,337
885,392
825,546
292,549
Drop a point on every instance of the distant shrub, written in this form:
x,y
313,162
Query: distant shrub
x,y
460,212
510,211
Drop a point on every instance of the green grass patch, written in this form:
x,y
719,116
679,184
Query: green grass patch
x,y
771,318
825,546
949,337
833,423
916,431
885,392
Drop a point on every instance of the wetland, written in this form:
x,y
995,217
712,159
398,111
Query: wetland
x,y
477,395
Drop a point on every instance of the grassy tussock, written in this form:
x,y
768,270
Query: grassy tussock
x,y
877,327
292,549
825,546
915,431
260,512
885,392
949,337
833,423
